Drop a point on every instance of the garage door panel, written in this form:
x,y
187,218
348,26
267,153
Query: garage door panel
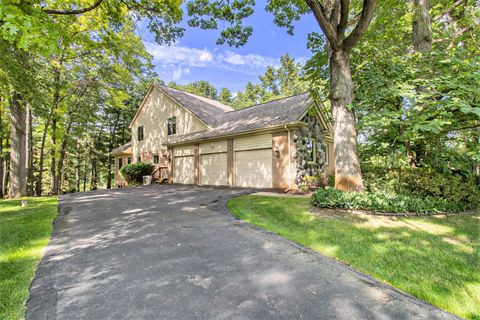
x,y
253,168
183,170
213,169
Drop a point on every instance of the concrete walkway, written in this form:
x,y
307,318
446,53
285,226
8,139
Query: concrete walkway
x,y
171,252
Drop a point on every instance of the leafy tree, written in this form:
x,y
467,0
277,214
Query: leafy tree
x,y
225,96
343,24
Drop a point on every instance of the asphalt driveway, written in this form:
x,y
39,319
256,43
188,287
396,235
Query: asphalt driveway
x,y
172,252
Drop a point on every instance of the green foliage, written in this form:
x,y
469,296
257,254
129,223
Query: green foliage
x,y
383,202
277,82
134,172
201,88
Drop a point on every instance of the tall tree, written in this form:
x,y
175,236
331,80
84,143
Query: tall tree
x,y
343,24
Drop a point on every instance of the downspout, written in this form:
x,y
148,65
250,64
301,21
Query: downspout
x,y
289,161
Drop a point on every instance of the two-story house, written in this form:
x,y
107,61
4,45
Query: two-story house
x,y
199,141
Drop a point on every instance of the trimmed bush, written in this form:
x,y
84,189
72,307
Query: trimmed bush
x,y
133,173
383,202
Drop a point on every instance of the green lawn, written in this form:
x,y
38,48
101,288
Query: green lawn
x,y
24,232
435,259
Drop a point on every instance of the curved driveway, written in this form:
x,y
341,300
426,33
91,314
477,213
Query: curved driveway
x,y
173,252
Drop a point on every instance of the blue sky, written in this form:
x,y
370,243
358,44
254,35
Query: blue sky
x,y
196,56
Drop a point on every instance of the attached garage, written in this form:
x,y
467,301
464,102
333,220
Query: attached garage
x,y
253,161
213,163
183,165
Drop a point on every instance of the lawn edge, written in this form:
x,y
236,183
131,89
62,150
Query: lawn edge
x,y
364,277
40,261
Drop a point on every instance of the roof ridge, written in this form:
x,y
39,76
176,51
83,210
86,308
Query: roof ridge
x,y
260,104
213,101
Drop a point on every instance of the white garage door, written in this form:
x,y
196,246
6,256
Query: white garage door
x,y
213,169
253,168
183,165
183,170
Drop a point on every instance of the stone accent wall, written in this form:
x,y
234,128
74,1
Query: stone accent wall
x,y
230,164
196,165
299,137
280,160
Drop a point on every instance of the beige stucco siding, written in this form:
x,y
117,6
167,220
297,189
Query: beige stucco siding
x,y
156,109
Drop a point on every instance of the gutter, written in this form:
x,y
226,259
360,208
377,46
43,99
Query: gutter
x,y
235,134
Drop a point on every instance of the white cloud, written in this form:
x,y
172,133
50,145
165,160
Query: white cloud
x,y
176,60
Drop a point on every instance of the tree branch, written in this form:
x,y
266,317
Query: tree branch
x,y
457,34
75,11
362,25
322,20
449,12
343,16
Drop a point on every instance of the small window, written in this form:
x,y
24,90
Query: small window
x,y
140,133
139,157
155,158
310,152
120,163
129,160
172,125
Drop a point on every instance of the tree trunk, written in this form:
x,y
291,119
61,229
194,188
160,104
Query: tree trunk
x,y
6,168
41,159
30,153
422,42
348,175
63,150
85,177
77,168
422,32
53,165
113,132
2,158
18,148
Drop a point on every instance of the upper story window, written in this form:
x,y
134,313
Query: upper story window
x,y
311,150
120,163
129,160
155,158
172,125
140,133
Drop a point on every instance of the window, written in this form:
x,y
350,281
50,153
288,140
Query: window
x,y
172,125
139,157
140,133
311,150
120,163
129,160
155,158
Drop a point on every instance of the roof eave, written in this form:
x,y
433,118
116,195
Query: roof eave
x,y
229,135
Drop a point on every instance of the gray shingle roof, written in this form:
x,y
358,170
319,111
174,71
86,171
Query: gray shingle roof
x,y
270,114
206,109
122,149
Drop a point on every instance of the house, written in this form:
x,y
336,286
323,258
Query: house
x,y
199,141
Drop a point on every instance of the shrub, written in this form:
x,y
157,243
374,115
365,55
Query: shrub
x,y
425,182
383,202
133,173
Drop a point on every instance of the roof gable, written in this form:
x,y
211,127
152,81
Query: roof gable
x,y
206,110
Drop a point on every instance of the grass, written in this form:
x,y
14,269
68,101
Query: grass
x,y
433,258
24,232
